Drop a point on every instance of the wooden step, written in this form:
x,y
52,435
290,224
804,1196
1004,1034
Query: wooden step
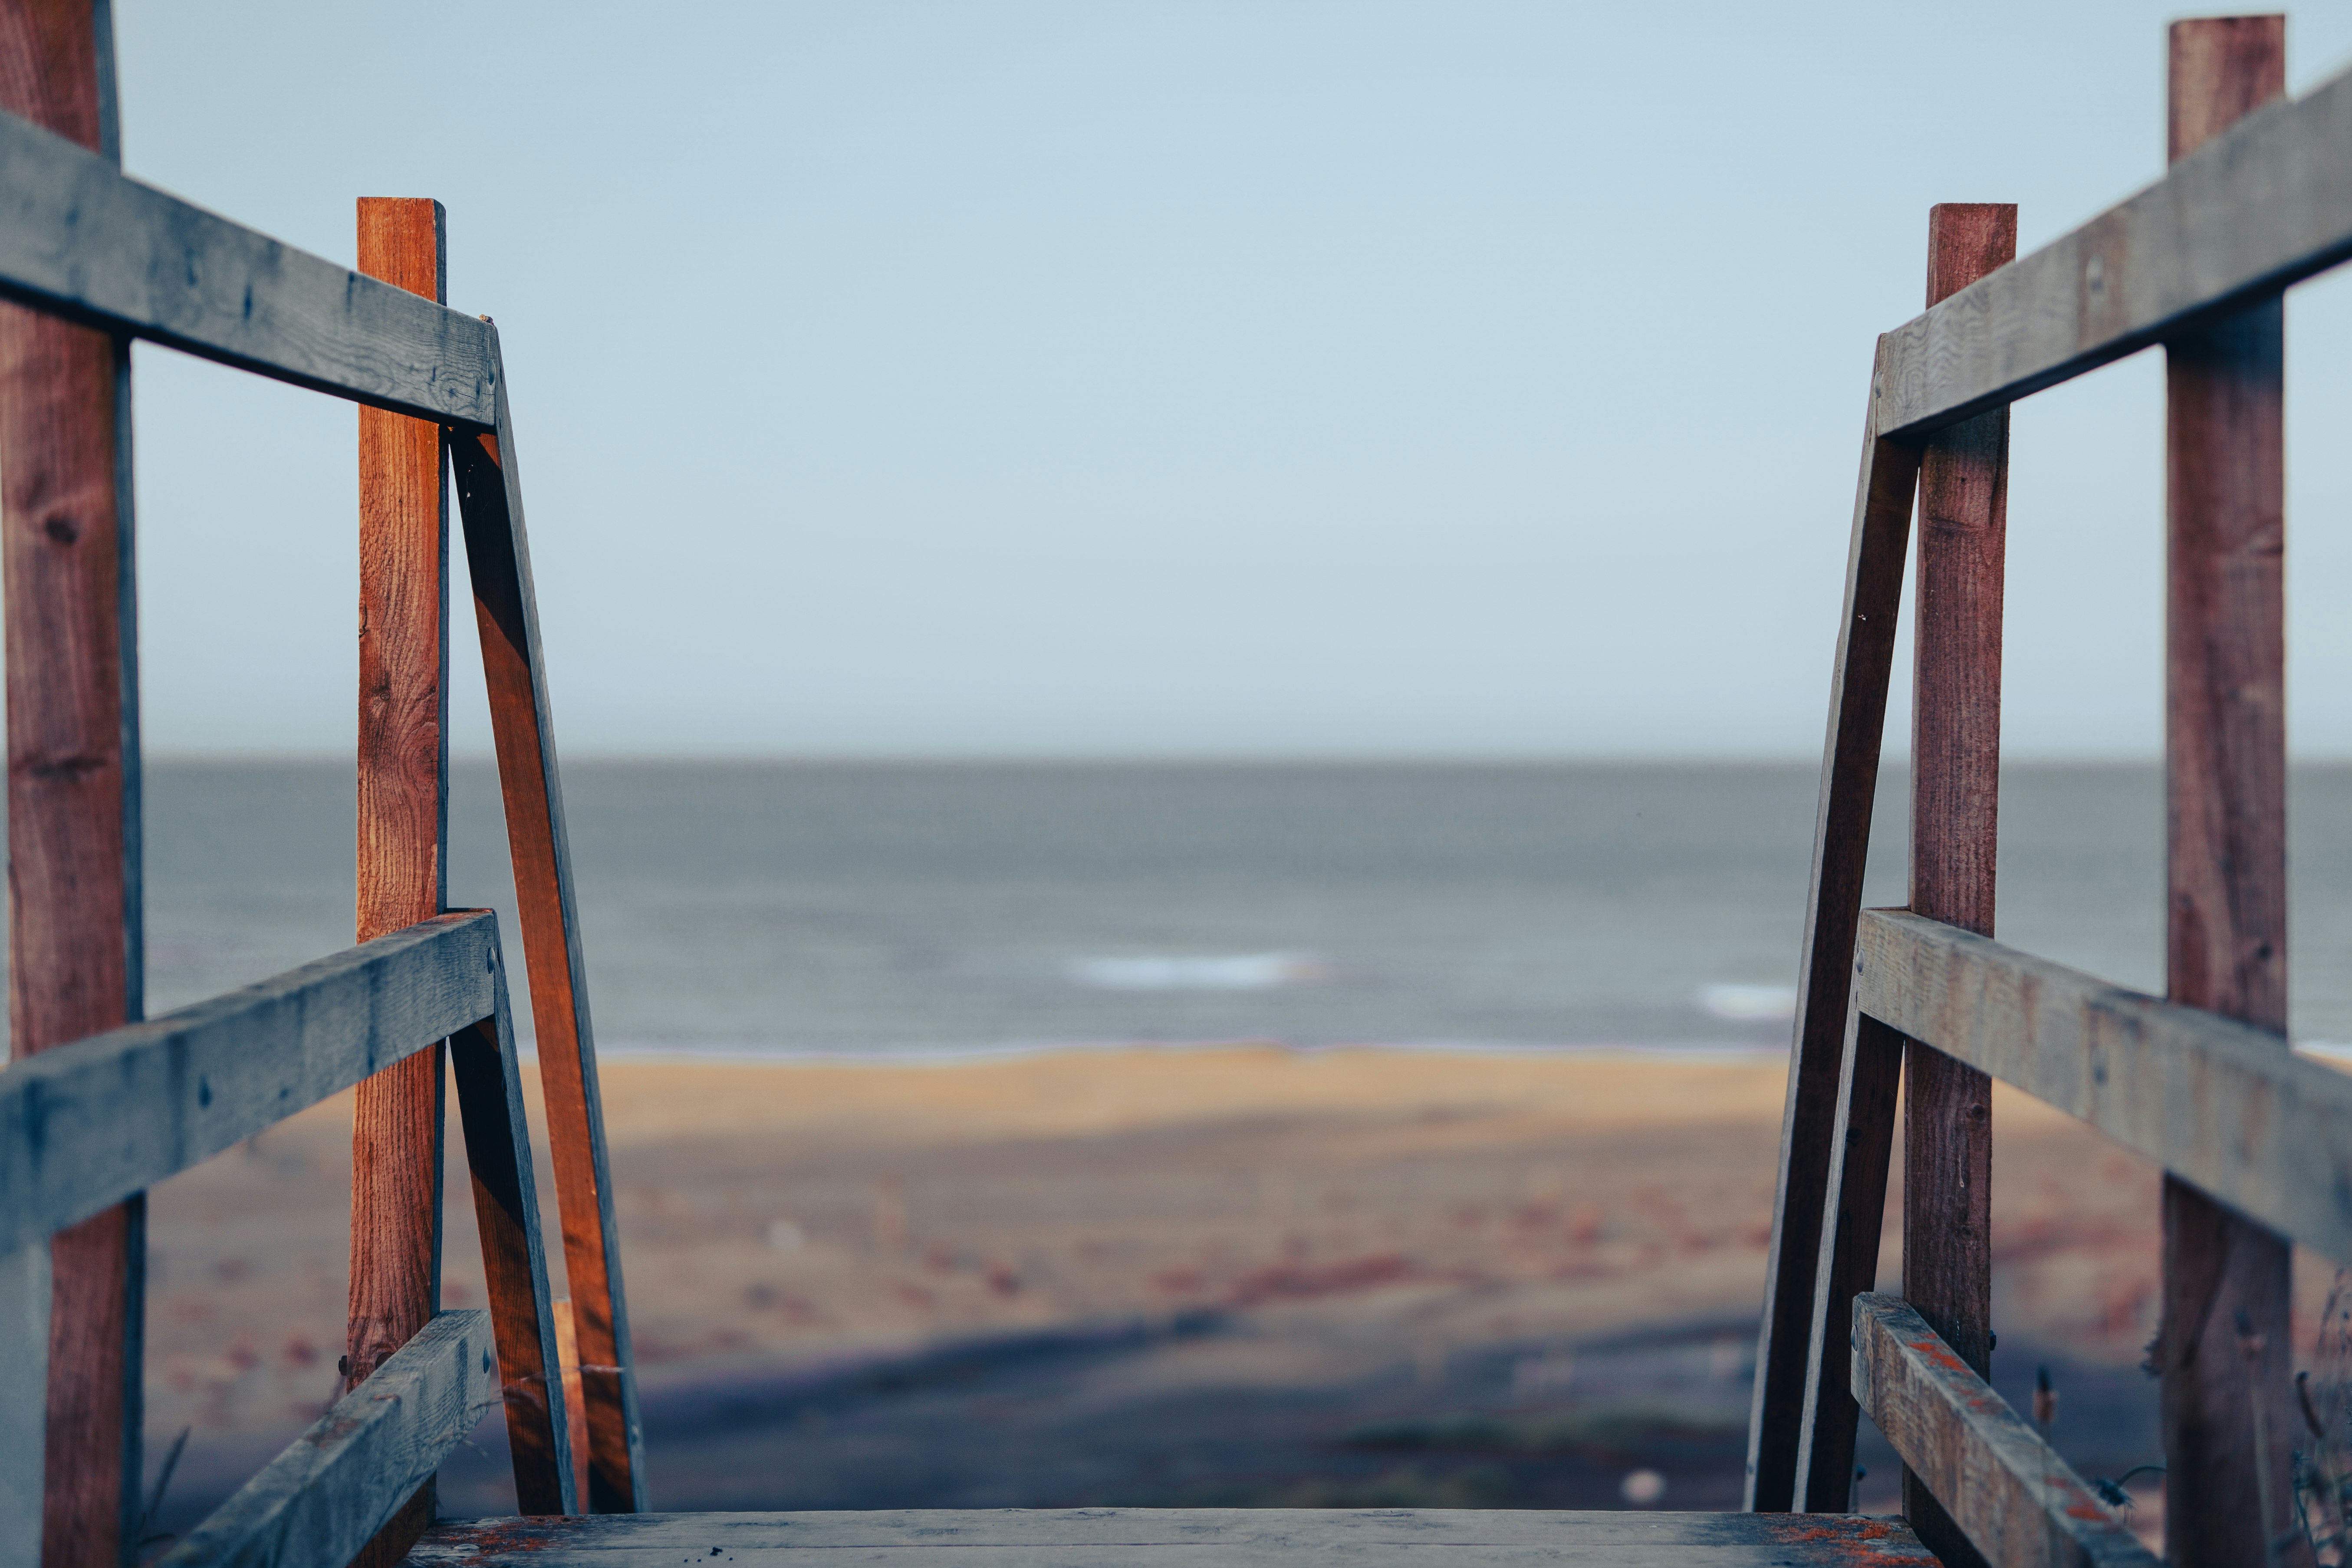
x,y
1225,1537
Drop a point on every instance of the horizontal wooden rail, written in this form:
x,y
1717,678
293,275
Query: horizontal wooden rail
x,y
334,1487
2264,206
2018,1502
2222,1105
80,239
87,1124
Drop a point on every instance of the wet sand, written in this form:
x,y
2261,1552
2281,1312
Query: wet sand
x,y
1233,1274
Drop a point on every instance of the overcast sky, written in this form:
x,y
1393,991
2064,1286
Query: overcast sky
x,y
1443,380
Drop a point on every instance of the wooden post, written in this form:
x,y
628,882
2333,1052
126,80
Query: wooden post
x,y
74,922
2225,1349
403,834
1955,838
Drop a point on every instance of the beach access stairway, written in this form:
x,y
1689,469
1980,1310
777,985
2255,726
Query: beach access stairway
x,y
100,1105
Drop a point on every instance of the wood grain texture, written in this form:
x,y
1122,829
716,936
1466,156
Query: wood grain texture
x,y
1857,721
575,1403
403,832
74,930
514,1260
2239,219
2222,1105
1855,1219
1227,1538
2015,1498
79,239
498,555
2225,1346
83,1124
338,1484
1955,833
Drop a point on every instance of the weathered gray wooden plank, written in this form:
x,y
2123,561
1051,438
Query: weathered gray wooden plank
x,y
86,1124
506,609
2018,1502
24,1401
81,239
1218,1535
2216,1103
334,1487
2260,207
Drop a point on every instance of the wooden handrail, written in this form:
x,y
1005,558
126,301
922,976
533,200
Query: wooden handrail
x,y
86,1124
2263,207
81,240
337,1484
2218,1103
2019,1503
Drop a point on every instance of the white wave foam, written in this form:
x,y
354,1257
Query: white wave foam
x,y
1747,1004
1215,972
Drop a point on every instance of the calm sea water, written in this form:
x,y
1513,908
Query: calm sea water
x,y
873,908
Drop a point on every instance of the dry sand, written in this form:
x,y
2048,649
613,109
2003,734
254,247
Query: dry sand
x,y
1234,1274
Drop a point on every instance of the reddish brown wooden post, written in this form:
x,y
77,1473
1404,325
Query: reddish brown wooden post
x,y
403,832
1955,840
74,932
2225,1349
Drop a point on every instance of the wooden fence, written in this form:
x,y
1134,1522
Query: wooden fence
x,y
2255,1142
98,1106
2258,1144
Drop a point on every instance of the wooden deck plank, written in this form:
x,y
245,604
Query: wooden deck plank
x,y
81,240
2017,1501
506,608
1849,753
2243,217
2220,1104
86,1123
335,1486
1052,1537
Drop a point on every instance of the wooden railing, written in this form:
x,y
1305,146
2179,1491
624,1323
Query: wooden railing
x,y
2257,1142
84,1126
95,259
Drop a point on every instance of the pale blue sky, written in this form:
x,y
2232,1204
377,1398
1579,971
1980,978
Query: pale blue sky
x,y
1199,379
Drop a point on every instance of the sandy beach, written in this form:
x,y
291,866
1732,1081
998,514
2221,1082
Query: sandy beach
x,y
1229,1275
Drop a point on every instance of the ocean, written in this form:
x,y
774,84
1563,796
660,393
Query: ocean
x,y
941,908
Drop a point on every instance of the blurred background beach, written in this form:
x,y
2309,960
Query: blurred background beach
x,y
1056,1134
